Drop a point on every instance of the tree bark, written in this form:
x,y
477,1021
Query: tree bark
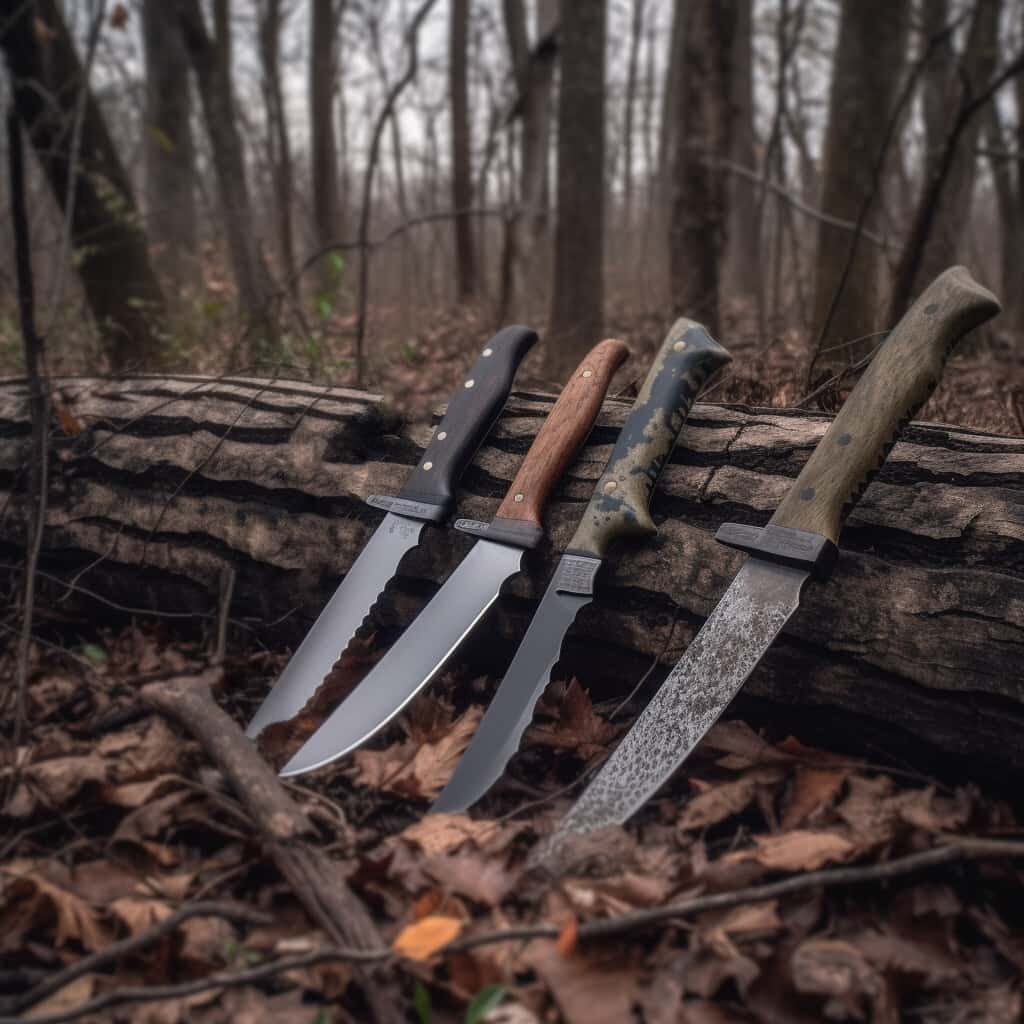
x,y
323,71
168,145
629,101
577,301
870,53
211,61
912,647
462,171
699,213
47,81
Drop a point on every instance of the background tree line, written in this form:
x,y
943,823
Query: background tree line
x,y
311,181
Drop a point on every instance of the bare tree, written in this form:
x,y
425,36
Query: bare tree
x,y
699,216
629,102
167,143
325,16
272,17
462,171
211,61
870,51
577,304
88,181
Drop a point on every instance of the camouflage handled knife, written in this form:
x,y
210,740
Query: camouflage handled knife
x,y
619,508
798,542
473,587
427,497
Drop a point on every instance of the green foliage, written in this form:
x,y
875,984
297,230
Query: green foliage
x,y
94,653
484,1001
421,1003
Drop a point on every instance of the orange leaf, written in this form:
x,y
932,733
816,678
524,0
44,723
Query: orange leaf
x,y
422,940
427,904
566,941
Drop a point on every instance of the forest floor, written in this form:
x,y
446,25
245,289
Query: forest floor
x,y
850,890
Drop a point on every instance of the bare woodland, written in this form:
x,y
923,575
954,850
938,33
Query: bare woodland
x,y
248,249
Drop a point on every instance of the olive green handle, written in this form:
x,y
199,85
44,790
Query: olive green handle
x,y
619,507
898,381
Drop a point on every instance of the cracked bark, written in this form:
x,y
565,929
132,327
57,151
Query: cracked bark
x,y
916,641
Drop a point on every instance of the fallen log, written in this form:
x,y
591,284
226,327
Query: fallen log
x,y
918,640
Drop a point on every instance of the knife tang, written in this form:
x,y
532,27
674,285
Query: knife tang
x,y
620,504
898,381
518,519
471,413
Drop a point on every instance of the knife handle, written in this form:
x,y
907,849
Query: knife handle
x,y
897,382
518,519
472,410
619,507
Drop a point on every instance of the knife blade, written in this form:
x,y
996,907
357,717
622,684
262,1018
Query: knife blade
x,y
421,650
800,541
426,497
619,508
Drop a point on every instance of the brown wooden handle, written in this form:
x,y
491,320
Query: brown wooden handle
x,y
562,434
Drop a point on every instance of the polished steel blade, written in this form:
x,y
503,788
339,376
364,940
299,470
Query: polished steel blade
x,y
502,728
414,659
728,647
338,622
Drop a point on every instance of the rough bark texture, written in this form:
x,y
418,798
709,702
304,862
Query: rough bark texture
x,y
108,242
577,301
323,72
870,53
699,215
167,141
913,647
462,171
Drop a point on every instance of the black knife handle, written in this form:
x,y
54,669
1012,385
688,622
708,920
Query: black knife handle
x,y
897,382
619,508
472,411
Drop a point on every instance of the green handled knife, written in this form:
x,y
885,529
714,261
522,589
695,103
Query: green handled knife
x,y
427,497
473,587
798,542
619,508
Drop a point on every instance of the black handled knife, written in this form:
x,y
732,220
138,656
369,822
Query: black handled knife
x,y
798,542
619,508
427,497
473,587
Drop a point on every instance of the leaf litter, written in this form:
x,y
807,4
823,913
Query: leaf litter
x,y
112,821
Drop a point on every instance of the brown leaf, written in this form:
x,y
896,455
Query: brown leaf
x,y
442,833
587,990
140,914
723,799
469,873
812,789
801,850
576,726
422,939
838,972
66,999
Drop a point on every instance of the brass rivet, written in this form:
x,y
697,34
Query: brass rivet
x,y
469,383
588,373
679,346
518,499
428,466
488,352
610,486
441,436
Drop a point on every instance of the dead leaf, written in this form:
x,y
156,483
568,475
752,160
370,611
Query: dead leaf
x,y
422,939
443,833
812,789
838,972
66,999
587,990
576,727
721,800
801,850
140,914
484,879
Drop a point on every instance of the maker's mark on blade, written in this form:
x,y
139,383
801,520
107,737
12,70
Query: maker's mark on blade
x,y
714,667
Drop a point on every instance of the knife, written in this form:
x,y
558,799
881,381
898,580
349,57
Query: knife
x,y
424,647
618,508
798,542
427,497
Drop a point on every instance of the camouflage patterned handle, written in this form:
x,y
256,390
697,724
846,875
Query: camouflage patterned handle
x,y
619,507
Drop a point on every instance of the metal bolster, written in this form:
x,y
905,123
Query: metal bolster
x,y
799,549
576,573
504,531
424,510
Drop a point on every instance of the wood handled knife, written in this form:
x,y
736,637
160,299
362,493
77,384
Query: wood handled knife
x,y
798,542
618,508
424,647
427,497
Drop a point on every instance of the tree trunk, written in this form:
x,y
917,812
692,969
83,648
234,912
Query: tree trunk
x,y
870,53
462,171
629,101
168,146
47,81
916,639
699,213
577,301
323,70
279,151
211,61
1011,218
